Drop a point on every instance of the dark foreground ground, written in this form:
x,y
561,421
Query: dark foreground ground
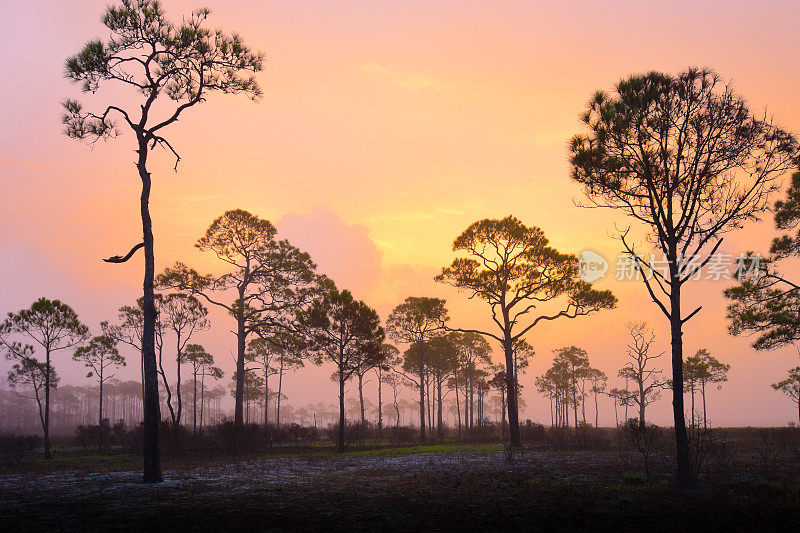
x,y
432,488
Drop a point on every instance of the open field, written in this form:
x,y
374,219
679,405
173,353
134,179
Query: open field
x,y
404,488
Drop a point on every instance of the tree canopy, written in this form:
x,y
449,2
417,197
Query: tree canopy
x,y
512,267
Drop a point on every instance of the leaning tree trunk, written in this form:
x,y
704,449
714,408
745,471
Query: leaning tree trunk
x,y
684,473
511,394
151,408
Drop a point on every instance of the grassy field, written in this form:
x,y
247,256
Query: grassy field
x,y
433,487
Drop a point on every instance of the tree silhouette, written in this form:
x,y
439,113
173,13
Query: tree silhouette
x,y
683,156
701,369
498,382
344,331
130,329
395,382
274,355
769,304
389,358
289,358
185,316
51,325
791,387
368,364
207,369
415,321
473,353
576,362
31,374
159,61
99,354
441,356
512,268
639,370
270,281
198,359
597,380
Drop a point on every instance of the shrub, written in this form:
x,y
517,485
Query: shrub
x,y
644,439
14,448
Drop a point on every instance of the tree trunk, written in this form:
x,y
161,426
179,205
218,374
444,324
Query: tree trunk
x,y
421,397
151,408
238,411
380,400
178,389
100,415
511,394
458,405
583,401
705,422
642,402
428,405
194,402
439,427
575,398
471,404
626,400
166,388
202,395
278,399
47,453
596,412
503,413
340,439
361,397
684,473
396,409
266,398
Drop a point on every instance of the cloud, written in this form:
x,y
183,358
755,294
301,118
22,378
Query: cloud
x,y
344,252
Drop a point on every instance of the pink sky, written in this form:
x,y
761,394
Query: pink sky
x,y
385,129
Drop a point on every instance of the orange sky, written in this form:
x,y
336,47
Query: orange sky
x,y
385,129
